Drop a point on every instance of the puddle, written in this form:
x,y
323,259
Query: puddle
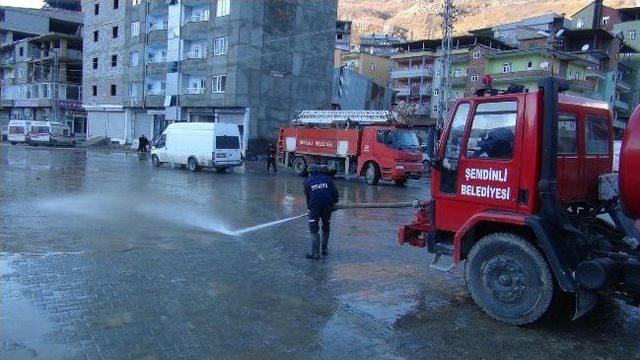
x,y
25,332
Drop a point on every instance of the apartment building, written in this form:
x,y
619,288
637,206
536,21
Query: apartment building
x,y
375,68
343,35
379,44
40,66
417,71
252,63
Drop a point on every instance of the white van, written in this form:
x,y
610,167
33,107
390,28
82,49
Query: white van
x,y
18,131
50,133
198,145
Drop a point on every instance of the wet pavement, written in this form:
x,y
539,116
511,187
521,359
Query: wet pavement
x,y
104,257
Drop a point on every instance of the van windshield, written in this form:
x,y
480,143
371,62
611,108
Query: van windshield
x,y
39,129
227,142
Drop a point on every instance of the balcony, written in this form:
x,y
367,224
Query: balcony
x,y
581,85
193,91
596,74
406,90
621,105
409,73
158,26
155,92
623,85
194,55
199,17
156,60
155,100
459,81
519,76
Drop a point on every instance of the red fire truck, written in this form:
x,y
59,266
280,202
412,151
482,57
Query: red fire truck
x,y
362,143
522,190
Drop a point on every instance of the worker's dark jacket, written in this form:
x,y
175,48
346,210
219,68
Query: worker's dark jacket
x,y
321,192
271,152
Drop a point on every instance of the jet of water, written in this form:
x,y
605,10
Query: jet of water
x,y
262,226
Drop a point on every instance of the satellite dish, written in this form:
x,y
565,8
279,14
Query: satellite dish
x,y
560,32
585,47
544,64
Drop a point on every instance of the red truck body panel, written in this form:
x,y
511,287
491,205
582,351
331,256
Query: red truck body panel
x,y
630,166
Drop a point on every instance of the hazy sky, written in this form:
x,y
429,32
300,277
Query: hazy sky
x,y
22,3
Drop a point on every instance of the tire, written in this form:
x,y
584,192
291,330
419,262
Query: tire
x,y
299,166
509,279
155,160
401,182
192,164
372,174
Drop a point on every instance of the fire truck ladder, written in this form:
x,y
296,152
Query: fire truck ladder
x,y
359,117
281,147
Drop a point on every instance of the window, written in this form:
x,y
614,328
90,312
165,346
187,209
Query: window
x,y
220,45
475,78
476,55
633,34
21,51
580,23
449,172
567,134
94,90
507,67
135,28
492,134
95,63
530,65
1,15
456,73
116,3
435,108
95,36
113,90
437,73
114,60
436,92
133,58
96,9
133,90
219,83
114,32
223,7
605,20
227,142
135,2
596,136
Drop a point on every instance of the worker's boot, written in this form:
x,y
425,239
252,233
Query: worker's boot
x,y
315,247
325,243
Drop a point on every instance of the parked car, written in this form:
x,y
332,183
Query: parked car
x,y
198,145
50,133
18,131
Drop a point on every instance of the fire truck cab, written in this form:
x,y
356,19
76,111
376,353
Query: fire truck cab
x,y
522,189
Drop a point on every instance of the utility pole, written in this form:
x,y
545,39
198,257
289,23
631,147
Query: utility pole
x,y
448,18
55,87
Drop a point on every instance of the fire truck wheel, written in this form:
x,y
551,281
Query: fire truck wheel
x,y
509,279
192,164
372,174
299,166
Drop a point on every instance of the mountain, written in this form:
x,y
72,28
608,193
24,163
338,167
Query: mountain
x,y
419,19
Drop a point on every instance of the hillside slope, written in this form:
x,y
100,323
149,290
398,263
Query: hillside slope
x,y
417,19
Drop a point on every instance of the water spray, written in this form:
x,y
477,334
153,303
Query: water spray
x,y
339,206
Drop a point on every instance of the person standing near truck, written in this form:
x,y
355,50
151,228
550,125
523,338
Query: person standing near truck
x,y
322,196
271,158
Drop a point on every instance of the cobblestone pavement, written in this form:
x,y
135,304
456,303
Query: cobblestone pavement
x,y
104,257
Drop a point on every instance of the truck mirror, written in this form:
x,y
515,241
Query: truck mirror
x,y
436,163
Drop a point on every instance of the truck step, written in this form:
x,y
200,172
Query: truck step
x,y
444,249
442,262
